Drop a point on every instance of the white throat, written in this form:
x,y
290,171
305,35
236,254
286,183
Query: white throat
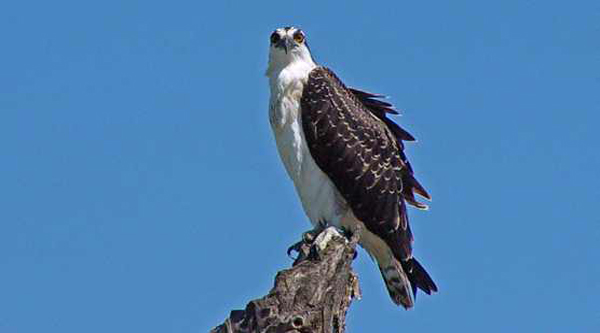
x,y
287,76
298,64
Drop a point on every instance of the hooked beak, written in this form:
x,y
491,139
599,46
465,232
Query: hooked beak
x,y
284,43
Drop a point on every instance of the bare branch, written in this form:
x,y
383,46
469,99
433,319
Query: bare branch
x,y
312,296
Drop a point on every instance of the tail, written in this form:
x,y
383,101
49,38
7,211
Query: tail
x,y
404,278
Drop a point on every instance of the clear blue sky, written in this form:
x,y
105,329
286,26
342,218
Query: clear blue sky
x,y
141,190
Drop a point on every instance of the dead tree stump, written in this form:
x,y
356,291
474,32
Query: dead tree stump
x,y
312,296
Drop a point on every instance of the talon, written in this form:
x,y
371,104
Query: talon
x,y
347,233
303,247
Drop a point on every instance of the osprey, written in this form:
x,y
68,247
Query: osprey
x,y
346,159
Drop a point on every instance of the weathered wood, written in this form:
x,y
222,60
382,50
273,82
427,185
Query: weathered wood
x,y
312,296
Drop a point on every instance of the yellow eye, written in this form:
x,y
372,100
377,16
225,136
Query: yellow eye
x,y
299,37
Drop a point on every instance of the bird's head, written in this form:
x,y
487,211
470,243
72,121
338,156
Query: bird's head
x,y
288,45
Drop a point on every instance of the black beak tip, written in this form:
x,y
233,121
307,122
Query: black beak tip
x,y
284,44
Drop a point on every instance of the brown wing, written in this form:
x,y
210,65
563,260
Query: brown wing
x,y
360,149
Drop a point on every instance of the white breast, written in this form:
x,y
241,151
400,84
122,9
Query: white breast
x,y
320,199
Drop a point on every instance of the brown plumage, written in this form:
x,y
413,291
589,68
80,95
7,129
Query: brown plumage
x,y
352,141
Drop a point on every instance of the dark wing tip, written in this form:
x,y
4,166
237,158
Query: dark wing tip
x,y
380,108
419,277
361,93
372,102
420,190
398,131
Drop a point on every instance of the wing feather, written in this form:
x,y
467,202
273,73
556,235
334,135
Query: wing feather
x,y
361,150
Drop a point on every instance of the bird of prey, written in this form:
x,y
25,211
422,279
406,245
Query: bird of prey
x,y
346,159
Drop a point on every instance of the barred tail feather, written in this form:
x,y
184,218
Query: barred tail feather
x,y
397,283
403,279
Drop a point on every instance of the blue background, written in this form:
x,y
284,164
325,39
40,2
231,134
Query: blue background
x,y
141,190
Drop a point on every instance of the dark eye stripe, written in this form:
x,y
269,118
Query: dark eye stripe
x,y
274,37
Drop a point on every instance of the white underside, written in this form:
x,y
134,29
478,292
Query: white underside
x,y
320,199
